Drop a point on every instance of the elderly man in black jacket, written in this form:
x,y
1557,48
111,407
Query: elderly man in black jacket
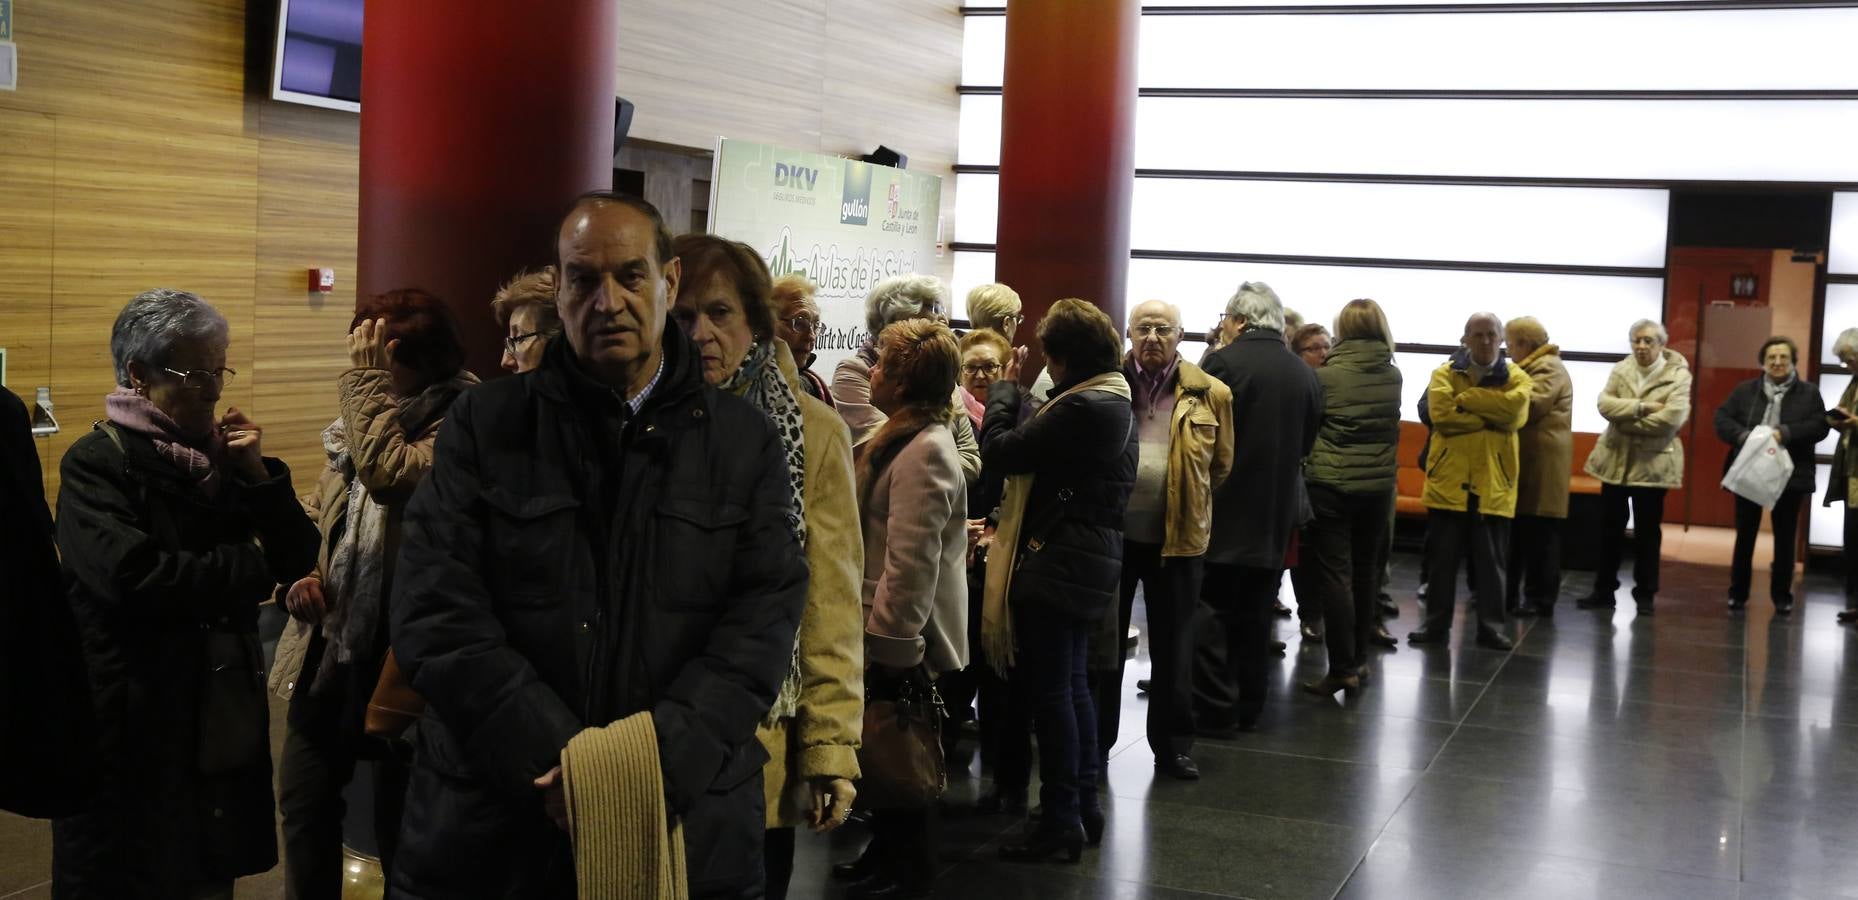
x,y
604,536
1262,503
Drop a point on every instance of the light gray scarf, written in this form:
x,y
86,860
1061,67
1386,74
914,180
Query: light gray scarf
x,y
1775,392
356,578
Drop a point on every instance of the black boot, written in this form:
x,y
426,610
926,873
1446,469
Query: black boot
x,y
1046,842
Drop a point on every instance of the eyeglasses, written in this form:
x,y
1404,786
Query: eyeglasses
x,y
802,324
201,379
1161,331
514,343
980,368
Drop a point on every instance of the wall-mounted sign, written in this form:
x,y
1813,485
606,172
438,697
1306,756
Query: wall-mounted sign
x,y
844,224
1742,286
6,20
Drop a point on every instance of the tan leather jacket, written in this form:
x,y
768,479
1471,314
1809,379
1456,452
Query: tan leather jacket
x,y
1199,458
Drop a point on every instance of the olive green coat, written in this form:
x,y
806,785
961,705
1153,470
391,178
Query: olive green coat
x,y
1357,444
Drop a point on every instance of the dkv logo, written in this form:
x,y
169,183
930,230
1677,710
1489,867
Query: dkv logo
x,y
796,177
855,201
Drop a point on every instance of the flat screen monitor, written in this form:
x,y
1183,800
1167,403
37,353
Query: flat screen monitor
x,y
318,57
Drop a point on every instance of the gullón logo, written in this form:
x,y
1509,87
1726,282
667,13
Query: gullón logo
x,y
855,201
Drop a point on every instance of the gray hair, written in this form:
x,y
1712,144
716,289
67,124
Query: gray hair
x,y
148,329
1664,337
901,297
1847,343
1258,305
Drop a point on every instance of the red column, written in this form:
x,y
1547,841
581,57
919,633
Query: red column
x,y
1067,152
478,126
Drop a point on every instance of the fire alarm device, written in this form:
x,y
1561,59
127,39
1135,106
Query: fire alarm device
x,y
322,281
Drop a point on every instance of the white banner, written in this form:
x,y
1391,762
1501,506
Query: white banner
x,y
845,224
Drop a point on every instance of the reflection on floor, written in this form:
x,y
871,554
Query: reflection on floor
x,y
1697,754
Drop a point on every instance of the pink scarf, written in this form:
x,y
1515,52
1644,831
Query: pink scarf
x,y
197,456
975,408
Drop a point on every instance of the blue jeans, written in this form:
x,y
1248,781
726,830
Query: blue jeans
x,y
1050,686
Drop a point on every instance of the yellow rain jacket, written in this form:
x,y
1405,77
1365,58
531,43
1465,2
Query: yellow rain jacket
x,y
1474,447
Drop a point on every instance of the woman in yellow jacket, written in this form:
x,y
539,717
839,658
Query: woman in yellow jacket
x,y
812,733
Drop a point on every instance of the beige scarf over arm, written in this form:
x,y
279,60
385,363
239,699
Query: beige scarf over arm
x,y
996,613
626,846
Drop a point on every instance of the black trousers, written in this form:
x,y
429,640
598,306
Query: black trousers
x,y
1786,532
1240,598
1342,556
1170,590
314,769
1535,561
1452,538
1647,539
907,842
1050,683
1310,606
777,860
1851,568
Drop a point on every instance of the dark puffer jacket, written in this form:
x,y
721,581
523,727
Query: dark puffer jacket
x,y
565,565
1803,425
161,578
46,740
1082,451
1359,438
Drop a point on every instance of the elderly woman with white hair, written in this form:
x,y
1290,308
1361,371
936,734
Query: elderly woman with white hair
x,y
174,528
896,299
1638,459
1843,486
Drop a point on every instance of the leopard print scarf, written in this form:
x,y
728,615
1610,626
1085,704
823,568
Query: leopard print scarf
x,y
760,382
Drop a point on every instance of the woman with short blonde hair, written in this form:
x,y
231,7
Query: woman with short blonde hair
x,y
525,308
913,501
995,307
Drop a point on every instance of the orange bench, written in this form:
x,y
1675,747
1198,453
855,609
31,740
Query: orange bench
x,y
1412,478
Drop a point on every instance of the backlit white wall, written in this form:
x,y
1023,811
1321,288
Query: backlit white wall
x,y
1287,172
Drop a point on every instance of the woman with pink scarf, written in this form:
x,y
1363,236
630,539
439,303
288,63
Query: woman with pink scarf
x,y
174,527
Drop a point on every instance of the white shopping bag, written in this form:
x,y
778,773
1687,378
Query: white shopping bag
x,y
1761,469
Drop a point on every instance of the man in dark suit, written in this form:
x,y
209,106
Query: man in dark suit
x,y
1261,504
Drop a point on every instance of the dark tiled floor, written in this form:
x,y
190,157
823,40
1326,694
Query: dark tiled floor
x,y
1695,754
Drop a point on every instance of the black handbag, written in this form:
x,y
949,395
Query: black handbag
x,y
234,727
901,756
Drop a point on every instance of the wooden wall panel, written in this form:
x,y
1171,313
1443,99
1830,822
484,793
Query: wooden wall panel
x,y
306,218
138,210
898,91
749,69
162,65
26,255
